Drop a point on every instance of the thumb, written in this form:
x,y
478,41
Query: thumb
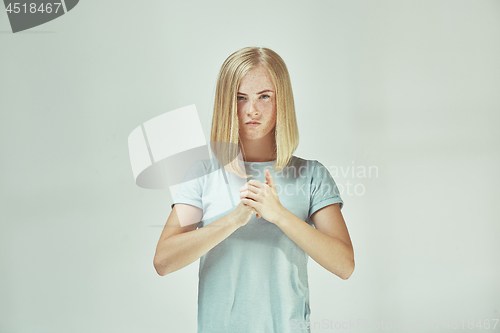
x,y
269,178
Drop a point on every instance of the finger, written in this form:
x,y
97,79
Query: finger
x,y
255,183
249,195
248,202
249,188
269,178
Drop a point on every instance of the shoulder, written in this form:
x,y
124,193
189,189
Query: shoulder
x,y
192,170
315,171
310,166
299,161
206,165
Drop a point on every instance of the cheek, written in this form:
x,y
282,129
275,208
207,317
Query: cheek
x,y
274,121
239,112
272,108
271,120
268,106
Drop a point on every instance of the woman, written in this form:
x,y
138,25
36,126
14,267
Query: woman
x,y
253,269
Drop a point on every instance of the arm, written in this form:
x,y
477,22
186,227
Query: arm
x,y
179,246
329,244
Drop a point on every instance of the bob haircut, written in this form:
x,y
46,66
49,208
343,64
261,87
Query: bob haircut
x,y
224,137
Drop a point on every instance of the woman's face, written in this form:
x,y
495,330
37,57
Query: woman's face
x,y
256,105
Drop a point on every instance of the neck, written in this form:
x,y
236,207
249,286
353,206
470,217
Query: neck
x,y
260,150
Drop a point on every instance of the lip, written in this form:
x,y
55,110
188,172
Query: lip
x,y
252,123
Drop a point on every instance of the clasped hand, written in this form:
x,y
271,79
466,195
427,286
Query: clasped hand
x,y
263,198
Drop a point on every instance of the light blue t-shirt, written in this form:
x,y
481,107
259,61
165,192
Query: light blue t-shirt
x,y
256,279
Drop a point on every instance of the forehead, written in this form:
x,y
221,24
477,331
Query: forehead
x,y
256,79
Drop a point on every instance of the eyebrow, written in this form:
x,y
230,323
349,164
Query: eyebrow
x,y
263,91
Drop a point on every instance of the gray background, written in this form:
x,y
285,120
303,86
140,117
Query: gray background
x,y
410,87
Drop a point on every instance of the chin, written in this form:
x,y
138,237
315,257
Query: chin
x,y
251,135
255,136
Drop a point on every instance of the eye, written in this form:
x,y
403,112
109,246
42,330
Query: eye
x,y
240,98
265,96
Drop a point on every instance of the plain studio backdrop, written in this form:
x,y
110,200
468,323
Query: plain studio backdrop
x,y
398,99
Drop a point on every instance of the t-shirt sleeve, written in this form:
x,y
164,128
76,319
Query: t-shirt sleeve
x,y
323,189
190,190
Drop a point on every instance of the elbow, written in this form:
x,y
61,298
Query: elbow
x,y
348,272
160,268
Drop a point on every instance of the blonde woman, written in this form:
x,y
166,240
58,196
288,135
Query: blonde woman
x,y
253,256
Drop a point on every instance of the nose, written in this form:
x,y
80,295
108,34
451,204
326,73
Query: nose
x,y
252,108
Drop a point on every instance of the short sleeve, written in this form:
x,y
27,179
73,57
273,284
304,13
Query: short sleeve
x,y
323,190
190,190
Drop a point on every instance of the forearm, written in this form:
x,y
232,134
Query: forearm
x,y
183,249
331,253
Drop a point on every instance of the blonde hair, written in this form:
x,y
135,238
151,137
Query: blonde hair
x,y
224,135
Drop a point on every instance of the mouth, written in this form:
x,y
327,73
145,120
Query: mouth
x,y
252,123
